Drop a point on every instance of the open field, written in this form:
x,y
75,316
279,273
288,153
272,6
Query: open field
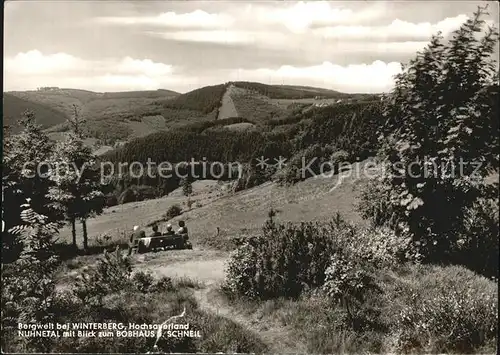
x,y
243,212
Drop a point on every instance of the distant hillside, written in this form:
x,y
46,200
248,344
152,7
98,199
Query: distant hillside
x,y
120,116
255,106
111,116
288,91
148,94
205,99
349,126
13,107
93,104
260,103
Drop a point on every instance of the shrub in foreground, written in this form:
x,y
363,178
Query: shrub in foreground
x,y
287,259
283,261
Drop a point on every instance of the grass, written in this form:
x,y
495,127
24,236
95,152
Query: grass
x,y
218,334
188,282
118,221
246,211
320,322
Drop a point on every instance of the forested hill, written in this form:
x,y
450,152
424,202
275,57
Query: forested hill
x,y
117,117
351,126
13,107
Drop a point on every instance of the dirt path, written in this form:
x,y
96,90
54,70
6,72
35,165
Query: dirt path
x,y
279,339
207,266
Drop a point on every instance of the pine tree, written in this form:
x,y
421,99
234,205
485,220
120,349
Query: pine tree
x,y
26,164
28,286
77,190
187,186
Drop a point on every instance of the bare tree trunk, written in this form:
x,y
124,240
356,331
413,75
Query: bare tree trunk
x,y
85,237
73,232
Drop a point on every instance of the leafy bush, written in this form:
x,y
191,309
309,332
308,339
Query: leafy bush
x,y
374,204
138,193
380,246
143,281
162,285
173,211
187,186
252,176
439,145
351,277
111,274
28,286
338,157
287,259
186,282
28,294
111,200
347,279
144,192
480,238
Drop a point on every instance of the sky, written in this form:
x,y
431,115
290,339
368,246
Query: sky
x,y
354,46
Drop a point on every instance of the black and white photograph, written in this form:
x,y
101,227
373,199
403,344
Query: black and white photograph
x,y
250,177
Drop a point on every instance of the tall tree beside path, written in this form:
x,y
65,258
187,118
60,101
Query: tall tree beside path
x,y
441,142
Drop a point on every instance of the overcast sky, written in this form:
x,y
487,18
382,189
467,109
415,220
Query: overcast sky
x,y
134,45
